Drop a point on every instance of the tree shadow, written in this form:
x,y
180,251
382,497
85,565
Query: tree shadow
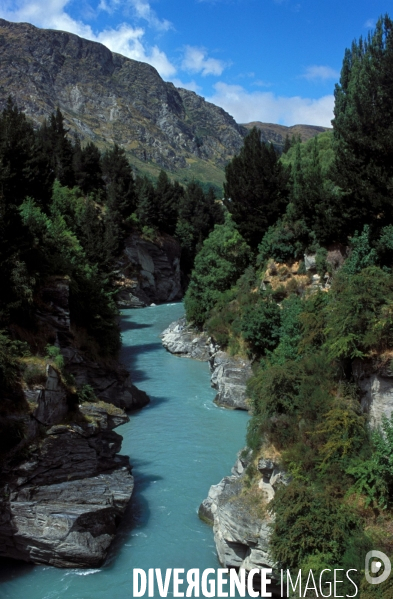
x,y
129,356
130,325
13,568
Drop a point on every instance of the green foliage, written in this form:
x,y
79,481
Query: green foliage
x,y
359,314
374,476
223,257
86,394
197,214
261,324
290,331
255,188
363,130
279,243
52,353
310,521
362,254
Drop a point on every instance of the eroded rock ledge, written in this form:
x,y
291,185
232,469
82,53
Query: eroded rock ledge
x,y
229,374
61,504
241,532
65,487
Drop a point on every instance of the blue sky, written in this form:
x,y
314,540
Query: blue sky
x,y
269,60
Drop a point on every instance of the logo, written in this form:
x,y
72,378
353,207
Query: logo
x,y
377,559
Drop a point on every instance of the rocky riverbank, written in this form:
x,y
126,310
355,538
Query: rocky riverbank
x,y
229,374
61,505
241,527
64,486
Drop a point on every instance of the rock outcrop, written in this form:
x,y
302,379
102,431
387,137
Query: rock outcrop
x,y
110,381
181,339
241,534
375,381
64,487
62,503
229,375
149,272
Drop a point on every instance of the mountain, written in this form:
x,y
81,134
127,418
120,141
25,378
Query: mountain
x,y
276,134
107,98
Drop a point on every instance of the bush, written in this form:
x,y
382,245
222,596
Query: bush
x,y
359,314
260,325
222,259
309,521
374,476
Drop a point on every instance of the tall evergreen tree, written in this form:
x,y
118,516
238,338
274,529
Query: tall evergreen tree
x,y
167,202
87,168
363,130
58,149
120,185
255,188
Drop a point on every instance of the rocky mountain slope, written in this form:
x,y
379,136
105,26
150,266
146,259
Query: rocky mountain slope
x,y
107,98
276,134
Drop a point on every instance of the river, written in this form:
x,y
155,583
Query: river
x,y
179,445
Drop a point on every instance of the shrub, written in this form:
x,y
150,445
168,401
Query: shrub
x,y
359,314
309,521
222,259
260,325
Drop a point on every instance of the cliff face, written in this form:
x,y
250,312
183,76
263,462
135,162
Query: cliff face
x,y
64,487
149,272
62,504
108,98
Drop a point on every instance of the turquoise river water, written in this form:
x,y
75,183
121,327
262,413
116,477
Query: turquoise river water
x,y
179,445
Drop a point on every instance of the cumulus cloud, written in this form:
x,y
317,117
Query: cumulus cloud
x,y
196,61
322,73
125,39
270,108
141,9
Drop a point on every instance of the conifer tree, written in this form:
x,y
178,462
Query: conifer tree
x,y
120,185
363,130
58,149
87,167
255,188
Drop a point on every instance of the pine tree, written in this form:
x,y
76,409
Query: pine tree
x,y
255,188
58,149
120,185
87,168
147,208
363,130
167,200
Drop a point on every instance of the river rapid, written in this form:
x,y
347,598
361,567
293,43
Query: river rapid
x,y
179,445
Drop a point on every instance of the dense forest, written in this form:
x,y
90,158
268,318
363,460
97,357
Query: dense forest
x,y
299,277
66,210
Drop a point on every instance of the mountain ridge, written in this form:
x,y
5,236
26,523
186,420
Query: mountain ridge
x,y
108,98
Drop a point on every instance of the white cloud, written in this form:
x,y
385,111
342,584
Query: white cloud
x,y
323,73
125,39
141,9
196,61
370,24
191,85
269,108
